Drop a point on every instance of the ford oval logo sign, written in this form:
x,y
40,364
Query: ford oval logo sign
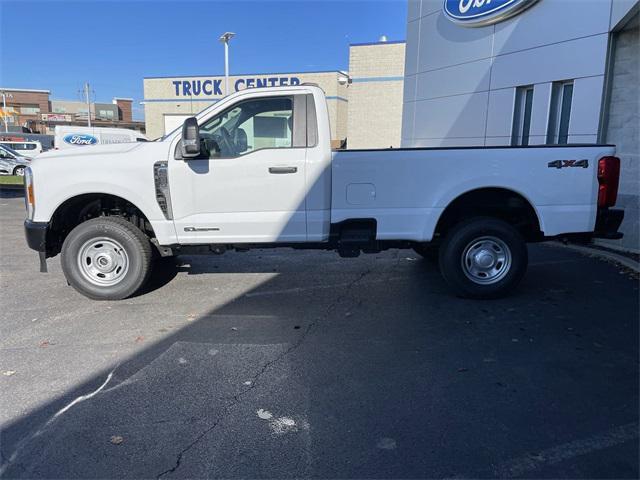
x,y
80,139
479,13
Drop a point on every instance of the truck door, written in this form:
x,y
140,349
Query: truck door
x,y
250,187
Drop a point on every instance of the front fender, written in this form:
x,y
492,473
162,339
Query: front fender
x,y
164,229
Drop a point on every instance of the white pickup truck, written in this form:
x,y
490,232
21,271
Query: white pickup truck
x,y
256,170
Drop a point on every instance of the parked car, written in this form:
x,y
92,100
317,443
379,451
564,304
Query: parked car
x,y
73,137
29,148
257,170
12,162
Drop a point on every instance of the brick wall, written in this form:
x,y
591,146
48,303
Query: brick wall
x,y
124,109
374,117
24,98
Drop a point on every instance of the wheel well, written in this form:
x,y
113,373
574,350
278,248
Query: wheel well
x,y
500,203
81,208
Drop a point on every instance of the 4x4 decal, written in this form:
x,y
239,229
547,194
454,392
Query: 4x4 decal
x,y
568,163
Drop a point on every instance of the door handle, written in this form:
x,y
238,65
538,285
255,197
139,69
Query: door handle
x,y
281,170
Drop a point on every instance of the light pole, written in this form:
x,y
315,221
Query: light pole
x,y
224,38
4,110
88,99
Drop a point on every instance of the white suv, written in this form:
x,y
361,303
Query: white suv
x,y
28,148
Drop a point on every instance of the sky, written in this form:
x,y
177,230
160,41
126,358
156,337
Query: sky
x,y
58,45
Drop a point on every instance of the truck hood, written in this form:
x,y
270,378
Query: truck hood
x,y
88,151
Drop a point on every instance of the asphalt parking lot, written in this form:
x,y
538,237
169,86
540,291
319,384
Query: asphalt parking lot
x,y
281,364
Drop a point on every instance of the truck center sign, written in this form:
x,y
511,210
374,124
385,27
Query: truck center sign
x,y
214,87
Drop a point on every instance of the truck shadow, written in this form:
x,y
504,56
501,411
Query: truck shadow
x,y
379,373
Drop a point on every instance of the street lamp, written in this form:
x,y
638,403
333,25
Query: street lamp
x,y
4,110
224,38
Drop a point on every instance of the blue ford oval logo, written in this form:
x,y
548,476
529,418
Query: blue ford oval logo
x,y
478,13
80,139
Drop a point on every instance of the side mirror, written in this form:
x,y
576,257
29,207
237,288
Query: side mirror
x,y
190,144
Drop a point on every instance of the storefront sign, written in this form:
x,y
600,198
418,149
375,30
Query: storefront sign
x,y
479,13
215,87
56,117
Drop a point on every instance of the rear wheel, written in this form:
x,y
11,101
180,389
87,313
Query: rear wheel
x,y
106,258
19,170
483,258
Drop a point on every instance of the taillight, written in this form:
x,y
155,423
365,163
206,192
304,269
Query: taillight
x,y
608,178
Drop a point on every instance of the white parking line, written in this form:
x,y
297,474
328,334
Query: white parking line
x,y
518,467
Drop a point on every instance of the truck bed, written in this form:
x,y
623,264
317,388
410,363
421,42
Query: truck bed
x,y
406,189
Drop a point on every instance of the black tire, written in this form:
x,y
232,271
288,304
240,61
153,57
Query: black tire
x,y
19,170
492,239
137,251
428,252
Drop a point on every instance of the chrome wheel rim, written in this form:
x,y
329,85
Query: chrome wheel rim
x,y
486,260
103,261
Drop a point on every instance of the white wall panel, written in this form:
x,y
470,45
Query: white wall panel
x,y
410,88
577,58
497,141
459,117
413,10
583,138
537,139
431,6
552,22
500,117
407,121
554,40
466,78
443,44
540,109
413,45
585,107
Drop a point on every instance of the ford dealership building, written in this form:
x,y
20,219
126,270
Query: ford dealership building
x,y
526,72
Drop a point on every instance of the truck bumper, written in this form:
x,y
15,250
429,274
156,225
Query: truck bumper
x,y
608,222
36,235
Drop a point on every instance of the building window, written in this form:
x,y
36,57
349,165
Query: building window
x,y
30,109
105,114
522,116
560,113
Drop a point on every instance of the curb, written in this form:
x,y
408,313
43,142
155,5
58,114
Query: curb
x,y
602,254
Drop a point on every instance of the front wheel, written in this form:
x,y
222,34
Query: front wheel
x,y
483,258
19,171
106,258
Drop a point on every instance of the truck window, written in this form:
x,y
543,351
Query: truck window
x,y
249,126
